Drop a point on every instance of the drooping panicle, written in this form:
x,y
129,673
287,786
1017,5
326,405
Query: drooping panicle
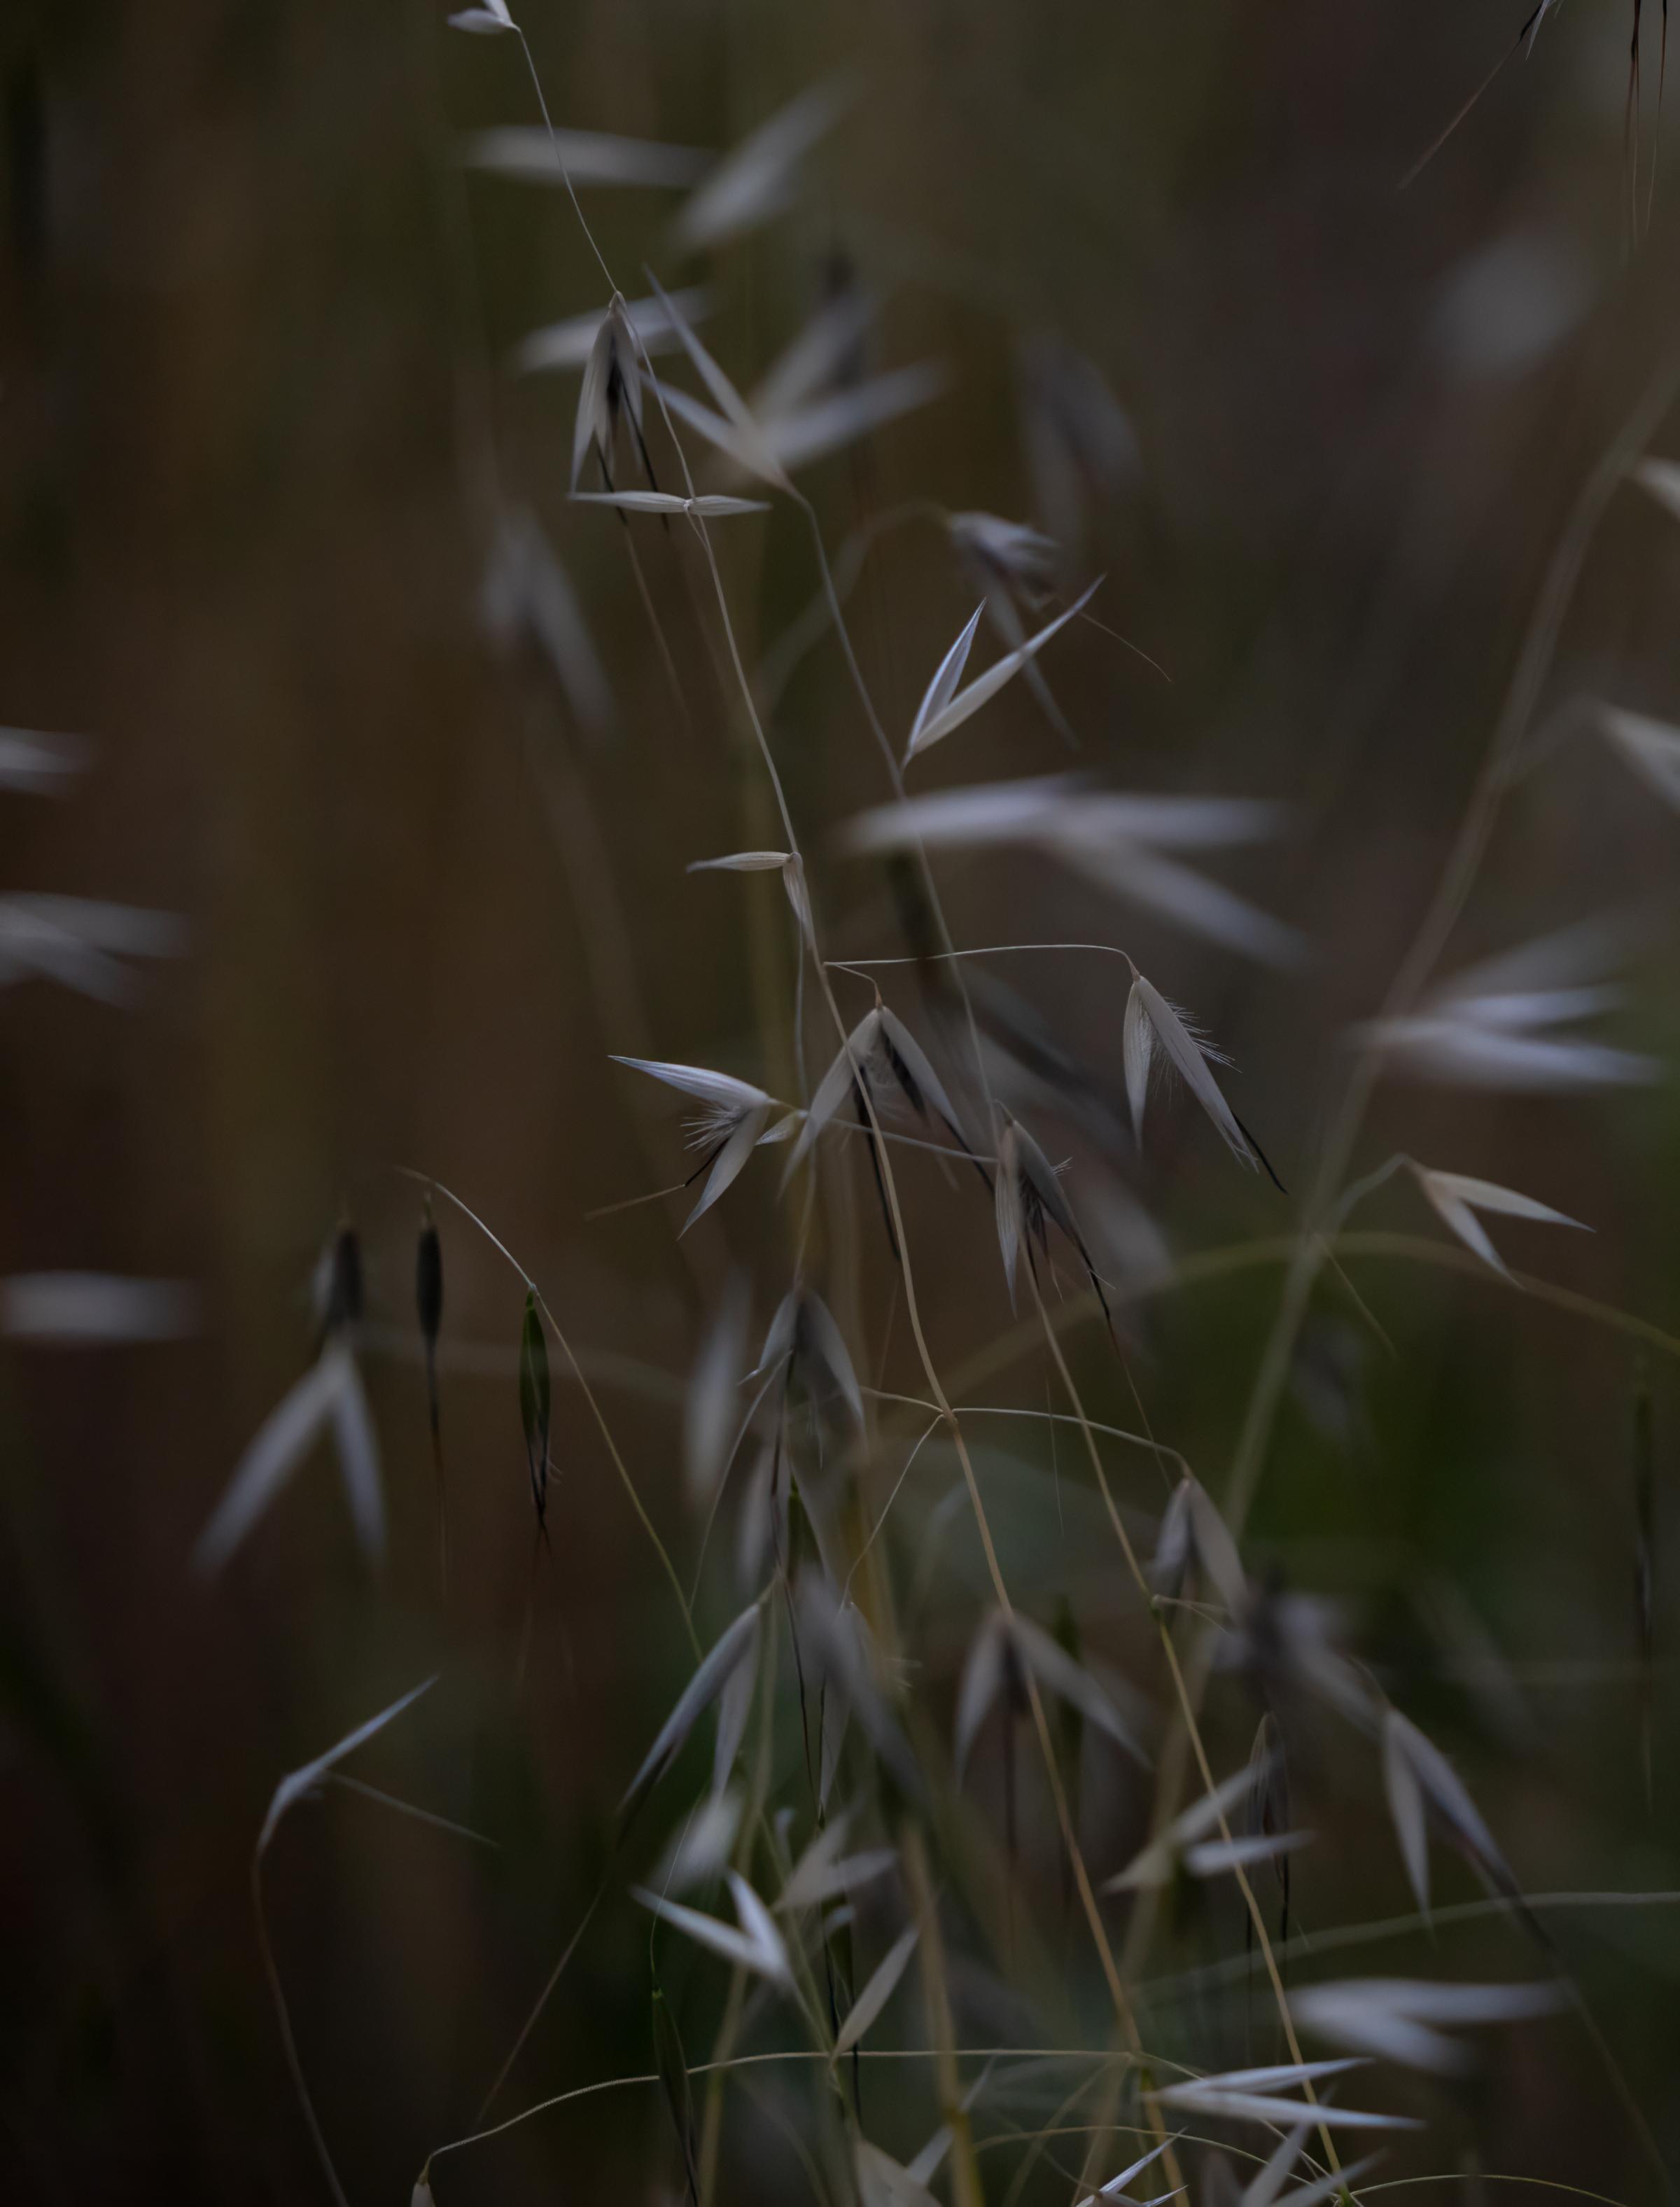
x,y
1195,1842
879,1063
528,154
527,602
711,1412
730,1128
1012,565
492,19
804,1339
945,706
1512,1022
329,1398
567,345
883,1983
1127,845
1152,1025
1456,1198
792,418
1004,1650
751,1943
1402,2018
1028,1199
610,392
734,1651
757,178
1081,447
1421,1785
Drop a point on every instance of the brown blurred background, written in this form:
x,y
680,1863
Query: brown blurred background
x,y
254,414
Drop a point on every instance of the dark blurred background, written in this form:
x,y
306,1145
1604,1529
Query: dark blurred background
x,y
256,424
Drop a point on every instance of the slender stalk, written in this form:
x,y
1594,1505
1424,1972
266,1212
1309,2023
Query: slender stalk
x,y
1522,697
1475,831
712,2130
542,2001
1193,1730
1305,1256
889,758
294,2061
924,1908
1122,2006
588,1395
604,936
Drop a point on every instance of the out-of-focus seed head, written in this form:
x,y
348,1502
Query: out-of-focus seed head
x,y
338,1290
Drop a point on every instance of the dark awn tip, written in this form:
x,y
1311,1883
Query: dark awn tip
x,y
875,1166
911,1089
429,1305
535,1405
1032,1204
1261,1155
646,462
1268,1806
706,1162
1102,1304
618,409
905,1078
428,1280
674,2083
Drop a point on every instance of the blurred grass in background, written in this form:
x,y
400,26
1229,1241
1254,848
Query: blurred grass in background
x,y
255,418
